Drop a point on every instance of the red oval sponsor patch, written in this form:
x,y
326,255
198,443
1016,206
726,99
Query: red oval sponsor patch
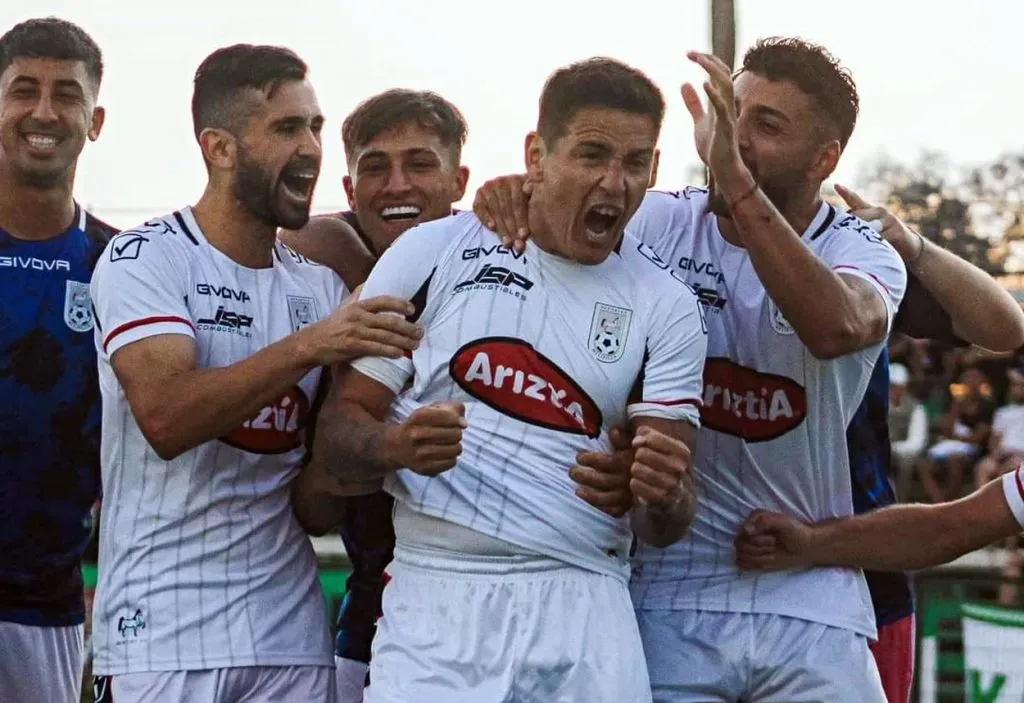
x,y
276,429
512,377
746,403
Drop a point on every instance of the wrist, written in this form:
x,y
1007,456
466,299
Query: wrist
x,y
304,348
910,247
392,448
734,180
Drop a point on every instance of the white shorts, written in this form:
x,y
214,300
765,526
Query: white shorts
x,y
475,629
40,663
709,657
350,679
253,684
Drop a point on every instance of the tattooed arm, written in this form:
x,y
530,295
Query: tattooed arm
x,y
355,447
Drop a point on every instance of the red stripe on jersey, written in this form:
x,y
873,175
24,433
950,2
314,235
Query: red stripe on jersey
x,y
1020,486
866,273
671,403
145,321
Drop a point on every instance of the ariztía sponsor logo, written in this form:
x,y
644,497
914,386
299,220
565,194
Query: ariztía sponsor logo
x,y
276,429
512,377
746,403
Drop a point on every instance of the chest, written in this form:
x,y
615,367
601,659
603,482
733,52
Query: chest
x,y
555,345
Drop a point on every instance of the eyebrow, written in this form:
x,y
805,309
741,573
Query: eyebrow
x,y
381,154
771,112
61,83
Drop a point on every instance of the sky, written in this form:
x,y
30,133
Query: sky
x,y
928,80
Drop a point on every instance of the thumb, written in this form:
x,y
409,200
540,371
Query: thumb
x,y
692,101
762,522
457,408
854,201
353,297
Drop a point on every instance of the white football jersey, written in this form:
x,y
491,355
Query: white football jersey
x,y
774,417
1013,490
202,564
547,355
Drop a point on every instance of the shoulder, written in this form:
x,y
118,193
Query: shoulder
x,y
445,235
653,274
331,241
157,238
842,229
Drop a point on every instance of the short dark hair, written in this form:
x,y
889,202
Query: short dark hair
x,y
813,70
401,106
52,38
219,96
597,82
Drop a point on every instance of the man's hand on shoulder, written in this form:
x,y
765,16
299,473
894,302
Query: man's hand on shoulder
x,y
331,241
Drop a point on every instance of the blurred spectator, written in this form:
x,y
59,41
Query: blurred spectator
x,y
1006,444
908,426
963,432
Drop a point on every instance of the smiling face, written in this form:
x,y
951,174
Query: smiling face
x,y
782,139
47,111
589,183
279,154
402,177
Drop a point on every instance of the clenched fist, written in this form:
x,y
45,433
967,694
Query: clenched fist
x,y
430,441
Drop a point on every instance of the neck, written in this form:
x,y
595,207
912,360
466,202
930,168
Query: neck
x,y
540,230
233,230
34,213
799,213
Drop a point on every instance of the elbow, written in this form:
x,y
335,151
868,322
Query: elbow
x,y
833,343
160,432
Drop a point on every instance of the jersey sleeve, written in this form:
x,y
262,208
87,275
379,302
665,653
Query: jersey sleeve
x,y
139,290
405,271
671,381
855,249
1013,490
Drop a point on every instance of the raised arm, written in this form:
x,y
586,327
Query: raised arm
x,y
331,241
958,300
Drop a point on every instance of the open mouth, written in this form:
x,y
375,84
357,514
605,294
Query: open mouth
x,y
299,184
600,221
400,213
42,142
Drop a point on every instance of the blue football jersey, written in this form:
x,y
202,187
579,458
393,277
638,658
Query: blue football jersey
x,y
50,421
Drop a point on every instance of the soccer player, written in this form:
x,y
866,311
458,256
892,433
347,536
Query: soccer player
x,y
211,335
799,299
506,583
50,73
404,153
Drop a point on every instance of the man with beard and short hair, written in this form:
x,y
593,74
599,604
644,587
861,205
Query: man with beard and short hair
x,y
404,151
211,335
50,74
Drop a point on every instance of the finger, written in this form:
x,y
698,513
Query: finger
x,y
869,213
615,503
716,68
693,102
438,453
457,408
387,303
719,106
519,204
620,438
433,468
598,479
353,297
483,205
508,225
428,435
650,438
389,322
852,199
673,466
617,463
438,415
403,342
365,347
650,485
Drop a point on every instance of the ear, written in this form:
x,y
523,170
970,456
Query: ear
x,y
96,124
654,168
220,150
461,181
535,151
828,159
350,192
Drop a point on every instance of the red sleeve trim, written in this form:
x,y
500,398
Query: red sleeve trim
x,y
145,321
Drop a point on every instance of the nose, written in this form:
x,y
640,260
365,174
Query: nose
x,y
613,181
398,180
43,110
310,147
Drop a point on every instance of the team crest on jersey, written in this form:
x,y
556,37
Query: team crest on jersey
x,y
779,322
77,306
609,329
302,311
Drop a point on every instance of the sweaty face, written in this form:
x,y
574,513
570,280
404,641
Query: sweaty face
x,y
278,157
47,111
590,181
402,177
780,138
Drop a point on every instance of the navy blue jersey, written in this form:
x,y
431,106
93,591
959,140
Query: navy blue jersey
x,y
919,315
50,428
